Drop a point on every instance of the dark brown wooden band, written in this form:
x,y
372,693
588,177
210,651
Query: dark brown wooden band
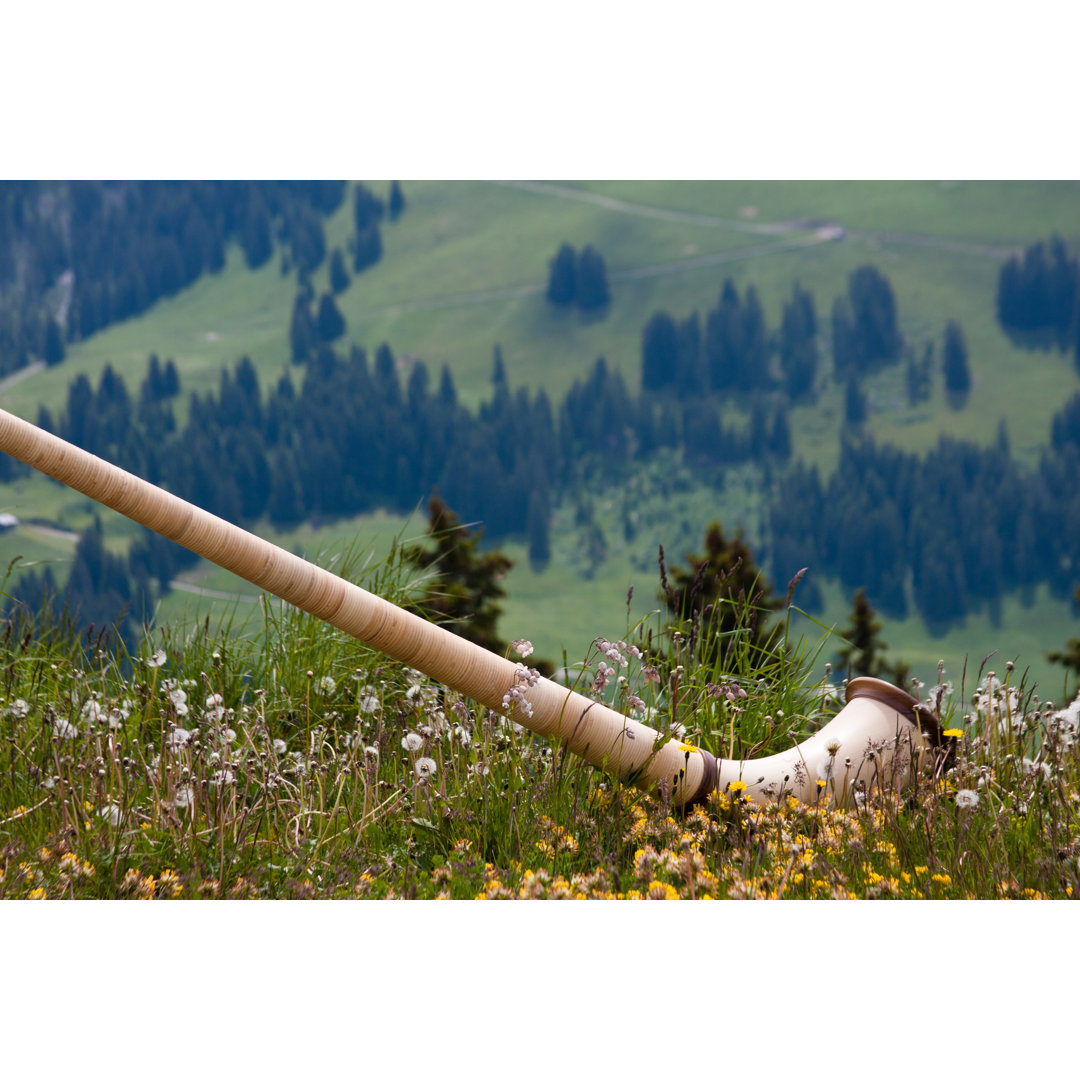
x,y
708,779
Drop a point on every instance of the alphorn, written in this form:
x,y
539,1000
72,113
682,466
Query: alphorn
x,y
879,737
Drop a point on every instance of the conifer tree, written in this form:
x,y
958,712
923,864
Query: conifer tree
x,y
955,366
659,352
562,276
339,276
397,200
726,599
331,323
464,584
53,347
591,279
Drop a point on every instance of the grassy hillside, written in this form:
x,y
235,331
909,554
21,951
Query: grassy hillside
x,y
466,265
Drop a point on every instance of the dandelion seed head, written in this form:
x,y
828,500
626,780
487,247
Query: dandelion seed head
x,y
425,767
967,799
412,742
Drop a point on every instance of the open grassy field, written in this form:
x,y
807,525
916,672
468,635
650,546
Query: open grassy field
x,y
465,268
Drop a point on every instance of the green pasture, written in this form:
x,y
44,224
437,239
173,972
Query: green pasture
x,y
465,268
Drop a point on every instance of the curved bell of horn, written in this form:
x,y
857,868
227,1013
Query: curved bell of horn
x,y
877,740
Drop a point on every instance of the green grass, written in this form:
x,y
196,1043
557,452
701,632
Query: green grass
x,y
300,765
460,239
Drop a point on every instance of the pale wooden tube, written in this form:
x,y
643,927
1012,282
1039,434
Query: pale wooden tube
x,y
602,736
879,737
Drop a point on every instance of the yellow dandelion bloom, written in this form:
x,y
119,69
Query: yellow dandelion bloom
x,y
736,786
686,748
37,894
953,733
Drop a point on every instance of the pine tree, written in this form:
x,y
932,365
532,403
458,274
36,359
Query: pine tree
x,y
330,323
464,585
591,278
367,248
53,347
726,600
659,352
855,404
257,242
302,334
539,528
562,276
955,366
397,200
339,276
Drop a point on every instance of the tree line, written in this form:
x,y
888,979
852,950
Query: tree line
x,y
946,534
78,256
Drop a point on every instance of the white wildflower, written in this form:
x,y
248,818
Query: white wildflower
x,y
369,704
327,685
222,777
967,799
412,742
177,739
462,734
157,659
1029,767
278,746
523,648
64,729
425,767
111,812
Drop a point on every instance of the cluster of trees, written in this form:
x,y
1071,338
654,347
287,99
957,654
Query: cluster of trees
x,y
368,212
730,355
77,256
103,593
578,278
357,435
734,352
1039,293
946,533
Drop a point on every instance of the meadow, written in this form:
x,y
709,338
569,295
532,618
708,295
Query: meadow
x,y
297,764
465,268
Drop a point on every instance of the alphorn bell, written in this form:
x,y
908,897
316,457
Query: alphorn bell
x,y
879,737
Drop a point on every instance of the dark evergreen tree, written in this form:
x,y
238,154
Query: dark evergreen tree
x,y
562,276
798,345
339,276
303,335
539,527
659,352
367,248
726,601
463,584
330,324
591,281
844,350
873,305
855,404
918,376
955,366
397,200
53,347
691,375
257,242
